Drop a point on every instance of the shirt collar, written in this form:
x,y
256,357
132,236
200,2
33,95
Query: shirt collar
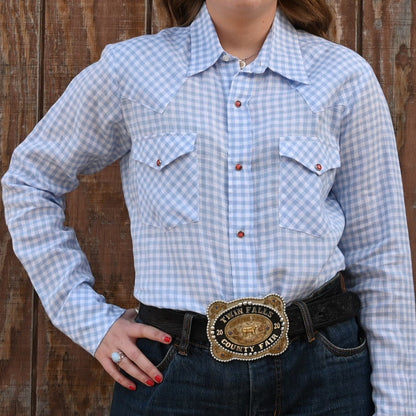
x,y
205,45
281,51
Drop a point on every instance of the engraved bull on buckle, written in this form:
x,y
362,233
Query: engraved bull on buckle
x,y
249,330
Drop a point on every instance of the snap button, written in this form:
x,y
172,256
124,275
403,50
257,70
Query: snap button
x,y
241,234
238,166
158,162
238,103
318,167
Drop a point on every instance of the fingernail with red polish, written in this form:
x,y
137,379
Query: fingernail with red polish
x,y
150,383
158,379
132,388
168,340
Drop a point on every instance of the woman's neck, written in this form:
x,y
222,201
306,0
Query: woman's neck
x,y
241,30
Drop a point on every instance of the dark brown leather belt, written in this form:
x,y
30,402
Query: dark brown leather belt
x,y
327,306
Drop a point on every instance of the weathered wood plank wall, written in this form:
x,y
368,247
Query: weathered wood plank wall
x,y
19,40
44,43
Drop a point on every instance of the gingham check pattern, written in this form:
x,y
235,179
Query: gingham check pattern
x,y
319,189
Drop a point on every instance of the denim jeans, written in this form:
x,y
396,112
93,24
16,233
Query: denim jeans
x,y
328,376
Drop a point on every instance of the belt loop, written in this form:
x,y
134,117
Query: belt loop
x,y
185,335
342,282
307,320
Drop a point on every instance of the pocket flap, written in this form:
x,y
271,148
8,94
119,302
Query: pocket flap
x,y
160,150
310,152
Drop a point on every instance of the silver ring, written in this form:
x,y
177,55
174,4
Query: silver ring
x,y
117,357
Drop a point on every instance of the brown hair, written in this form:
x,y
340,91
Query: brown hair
x,y
314,16
182,12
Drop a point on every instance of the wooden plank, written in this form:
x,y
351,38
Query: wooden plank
x,y
389,44
346,26
19,33
159,18
405,62
76,32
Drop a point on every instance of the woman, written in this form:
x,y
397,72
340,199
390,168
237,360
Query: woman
x,y
260,171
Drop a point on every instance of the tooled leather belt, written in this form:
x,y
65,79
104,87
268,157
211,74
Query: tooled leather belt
x,y
250,328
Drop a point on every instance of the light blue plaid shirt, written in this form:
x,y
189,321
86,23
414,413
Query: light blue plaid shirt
x,y
238,183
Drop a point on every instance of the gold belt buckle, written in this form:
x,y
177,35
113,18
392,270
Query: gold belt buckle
x,y
248,328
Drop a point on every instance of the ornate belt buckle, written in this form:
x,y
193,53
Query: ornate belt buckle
x,y
248,328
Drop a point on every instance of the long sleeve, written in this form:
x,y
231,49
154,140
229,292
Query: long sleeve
x,y
82,133
376,247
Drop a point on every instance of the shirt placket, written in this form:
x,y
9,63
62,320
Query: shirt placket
x,y
240,187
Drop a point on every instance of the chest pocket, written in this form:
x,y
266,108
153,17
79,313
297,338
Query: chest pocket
x,y
307,172
166,172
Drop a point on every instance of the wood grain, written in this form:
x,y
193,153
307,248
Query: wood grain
x,y
346,26
389,44
160,18
19,36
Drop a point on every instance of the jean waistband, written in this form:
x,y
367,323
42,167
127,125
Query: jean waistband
x,y
327,306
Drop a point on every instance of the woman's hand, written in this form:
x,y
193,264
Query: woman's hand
x,y
122,337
